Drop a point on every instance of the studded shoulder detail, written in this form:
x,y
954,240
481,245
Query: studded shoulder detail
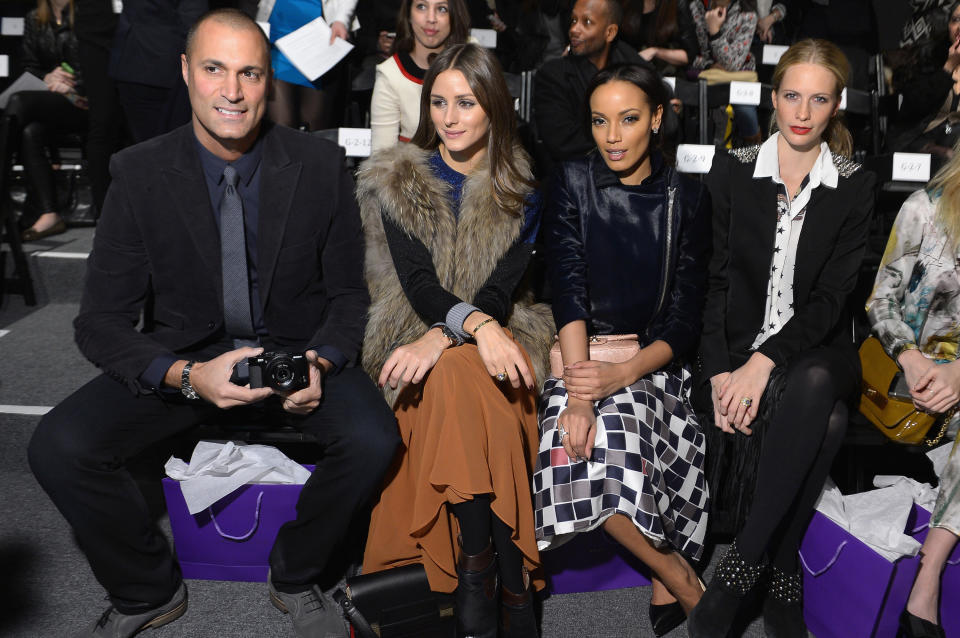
x,y
745,154
845,166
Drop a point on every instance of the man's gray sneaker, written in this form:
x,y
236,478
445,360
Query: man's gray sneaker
x,y
113,624
314,614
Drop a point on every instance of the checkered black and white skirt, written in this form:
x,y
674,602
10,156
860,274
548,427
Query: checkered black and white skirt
x,y
647,464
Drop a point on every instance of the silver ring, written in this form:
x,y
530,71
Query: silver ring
x,y
746,402
501,376
561,431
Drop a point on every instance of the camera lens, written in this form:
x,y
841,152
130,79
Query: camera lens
x,y
280,373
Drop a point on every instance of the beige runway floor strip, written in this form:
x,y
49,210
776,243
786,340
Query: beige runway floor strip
x,y
58,255
30,410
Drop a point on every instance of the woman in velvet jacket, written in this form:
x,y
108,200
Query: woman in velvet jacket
x,y
627,242
790,222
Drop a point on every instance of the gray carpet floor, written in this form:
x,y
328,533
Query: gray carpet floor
x,y
47,588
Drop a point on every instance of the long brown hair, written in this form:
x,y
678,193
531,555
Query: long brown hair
x,y
830,57
485,77
459,25
45,12
665,21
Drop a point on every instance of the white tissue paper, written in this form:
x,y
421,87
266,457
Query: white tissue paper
x,y
217,469
939,456
876,517
879,517
923,494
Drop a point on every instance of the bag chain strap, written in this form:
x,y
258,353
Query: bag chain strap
x,y
945,421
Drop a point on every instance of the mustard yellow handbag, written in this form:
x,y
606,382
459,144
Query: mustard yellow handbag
x,y
896,417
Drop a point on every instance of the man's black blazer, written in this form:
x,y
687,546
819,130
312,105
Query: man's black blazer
x,y
157,239
828,259
559,100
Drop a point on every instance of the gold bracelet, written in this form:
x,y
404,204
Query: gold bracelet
x,y
482,324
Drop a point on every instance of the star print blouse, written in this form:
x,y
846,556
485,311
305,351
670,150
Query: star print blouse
x,y
790,216
916,297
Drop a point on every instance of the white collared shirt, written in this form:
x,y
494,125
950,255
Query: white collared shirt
x,y
790,215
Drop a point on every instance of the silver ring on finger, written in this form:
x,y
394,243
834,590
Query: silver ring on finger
x,y
501,376
561,431
746,402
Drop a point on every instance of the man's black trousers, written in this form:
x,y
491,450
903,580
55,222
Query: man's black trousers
x,y
80,449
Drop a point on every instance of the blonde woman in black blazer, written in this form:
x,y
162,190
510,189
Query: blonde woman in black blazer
x,y
790,224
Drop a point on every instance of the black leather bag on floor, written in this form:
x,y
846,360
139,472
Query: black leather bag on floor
x,y
395,603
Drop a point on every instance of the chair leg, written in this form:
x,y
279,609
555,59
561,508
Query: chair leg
x,y
21,282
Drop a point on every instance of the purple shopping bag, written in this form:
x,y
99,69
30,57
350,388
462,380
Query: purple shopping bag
x,y
232,539
593,561
850,590
950,581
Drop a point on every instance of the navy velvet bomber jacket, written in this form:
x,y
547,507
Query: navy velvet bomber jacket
x,y
628,259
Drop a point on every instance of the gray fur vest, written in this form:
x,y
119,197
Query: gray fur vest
x,y
399,182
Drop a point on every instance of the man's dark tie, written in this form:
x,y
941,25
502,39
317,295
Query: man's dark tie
x,y
233,251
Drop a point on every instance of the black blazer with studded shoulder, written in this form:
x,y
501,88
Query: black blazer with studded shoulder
x,y
829,253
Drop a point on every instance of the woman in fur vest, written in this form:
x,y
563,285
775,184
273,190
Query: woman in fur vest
x,y
450,221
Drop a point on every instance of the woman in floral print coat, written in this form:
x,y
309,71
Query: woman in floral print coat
x,y
915,312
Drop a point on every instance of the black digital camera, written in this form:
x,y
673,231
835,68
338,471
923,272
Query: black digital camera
x,y
279,370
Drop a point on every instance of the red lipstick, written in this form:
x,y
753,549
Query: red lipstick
x,y
800,130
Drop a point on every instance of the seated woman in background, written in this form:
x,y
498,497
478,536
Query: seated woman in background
x,y
424,28
790,223
450,221
928,78
627,241
915,312
769,14
725,33
295,100
661,31
50,52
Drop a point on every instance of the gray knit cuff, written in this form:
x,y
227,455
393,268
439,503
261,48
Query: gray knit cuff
x,y
457,315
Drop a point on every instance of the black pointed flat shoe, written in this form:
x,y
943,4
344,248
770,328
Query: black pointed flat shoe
x,y
915,627
666,618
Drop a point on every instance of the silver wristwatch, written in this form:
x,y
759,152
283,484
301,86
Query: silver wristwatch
x,y
451,335
185,388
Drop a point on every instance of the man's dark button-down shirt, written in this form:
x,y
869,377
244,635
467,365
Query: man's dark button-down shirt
x,y
248,187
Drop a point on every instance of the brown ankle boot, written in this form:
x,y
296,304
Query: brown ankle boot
x,y
517,619
476,596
